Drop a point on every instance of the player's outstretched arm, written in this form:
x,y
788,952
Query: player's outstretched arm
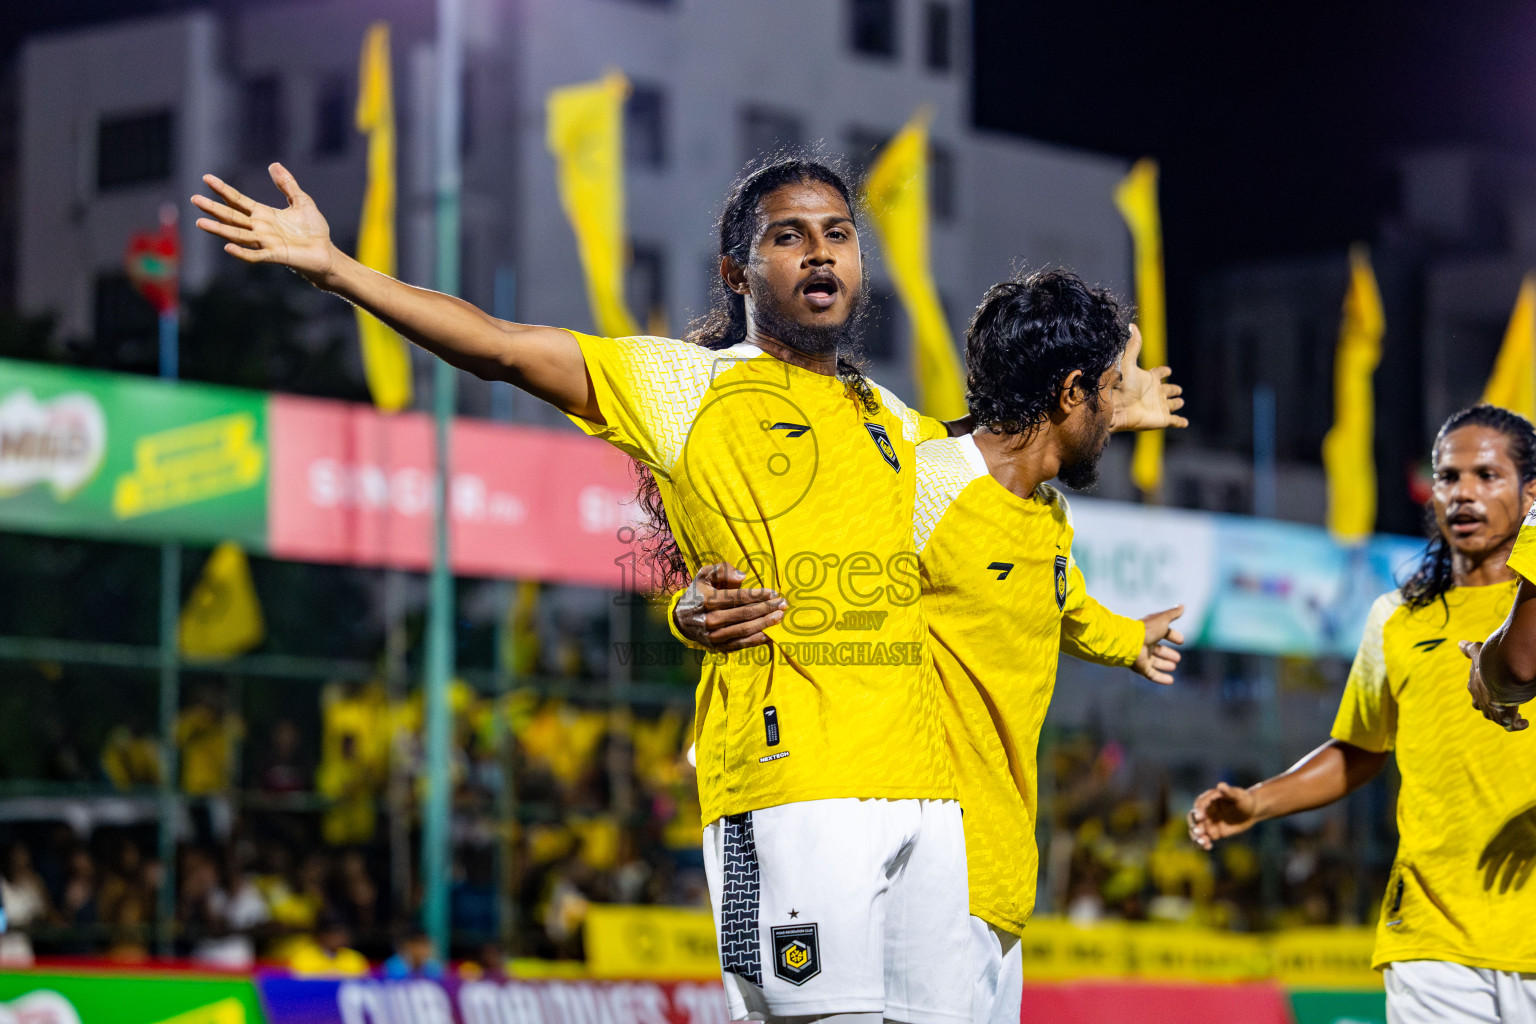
x,y
544,361
1503,671
718,614
1145,400
1332,771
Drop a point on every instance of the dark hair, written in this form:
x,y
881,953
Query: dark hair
x,y
725,324
1027,335
1434,576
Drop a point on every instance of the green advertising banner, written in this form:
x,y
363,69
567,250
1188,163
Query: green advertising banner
x,y
79,997
114,455
1339,1007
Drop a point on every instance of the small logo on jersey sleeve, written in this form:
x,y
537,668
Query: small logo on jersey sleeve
x,y
1061,582
1431,644
796,953
883,442
1001,568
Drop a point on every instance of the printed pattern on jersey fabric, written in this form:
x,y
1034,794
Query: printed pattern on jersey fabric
x,y
740,948
943,472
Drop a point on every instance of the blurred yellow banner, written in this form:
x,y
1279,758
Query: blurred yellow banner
x,y
897,194
672,943
1513,383
1136,197
1348,448
386,360
585,132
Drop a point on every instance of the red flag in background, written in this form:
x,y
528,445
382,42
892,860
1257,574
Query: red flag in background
x,y
153,260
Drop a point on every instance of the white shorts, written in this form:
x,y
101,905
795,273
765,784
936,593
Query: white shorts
x,y
1422,991
843,906
997,965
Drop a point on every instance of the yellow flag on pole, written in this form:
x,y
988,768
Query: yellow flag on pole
x,y
1136,197
1513,384
585,132
386,359
896,192
1348,455
222,617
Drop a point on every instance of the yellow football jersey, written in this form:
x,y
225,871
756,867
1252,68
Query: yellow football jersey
x,y
1523,558
1465,812
786,475
1002,597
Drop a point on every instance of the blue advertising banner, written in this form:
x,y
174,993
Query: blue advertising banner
x,y
1253,585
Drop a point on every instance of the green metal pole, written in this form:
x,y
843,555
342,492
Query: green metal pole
x,y
170,685
435,853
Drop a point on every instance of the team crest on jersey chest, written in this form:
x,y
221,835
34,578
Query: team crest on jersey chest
x,y
883,442
1061,582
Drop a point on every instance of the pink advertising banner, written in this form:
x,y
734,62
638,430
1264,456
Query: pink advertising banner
x,y
351,486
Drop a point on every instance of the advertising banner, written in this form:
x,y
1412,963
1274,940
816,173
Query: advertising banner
x,y
115,455
1252,585
650,942
350,485
1111,1003
290,1000
47,997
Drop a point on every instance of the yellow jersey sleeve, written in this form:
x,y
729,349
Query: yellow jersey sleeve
x,y
648,390
1367,715
1523,558
915,427
1091,632
672,622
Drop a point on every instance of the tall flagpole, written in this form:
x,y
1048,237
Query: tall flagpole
x,y
435,851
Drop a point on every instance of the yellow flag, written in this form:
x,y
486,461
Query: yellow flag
x,y
1513,384
1348,458
386,360
1136,196
585,133
222,617
897,195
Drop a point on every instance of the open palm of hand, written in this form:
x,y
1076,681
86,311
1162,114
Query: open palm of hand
x,y
1145,399
295,235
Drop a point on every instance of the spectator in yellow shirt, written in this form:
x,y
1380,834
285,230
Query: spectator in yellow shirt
x,y
327,955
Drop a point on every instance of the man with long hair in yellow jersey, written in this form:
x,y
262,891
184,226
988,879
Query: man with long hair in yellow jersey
x,y
832,839
1046,357
1454,941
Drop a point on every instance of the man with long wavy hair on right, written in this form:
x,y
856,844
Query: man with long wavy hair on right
x,y
1454,940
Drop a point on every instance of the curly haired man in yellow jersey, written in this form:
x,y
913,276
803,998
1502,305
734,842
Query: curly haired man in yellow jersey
x,y
832,837
1454,941
1001,592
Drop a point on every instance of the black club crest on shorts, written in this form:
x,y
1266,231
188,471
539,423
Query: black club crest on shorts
x,y
796,953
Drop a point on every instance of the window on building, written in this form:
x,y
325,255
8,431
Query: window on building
x,y
645,127
941,181
872,27
765,131
126,326
863,145
938,48
134,150
261,119
879,340
645,283
333,116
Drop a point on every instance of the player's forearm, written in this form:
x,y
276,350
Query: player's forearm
x,y
1508,659
544,361
1331,772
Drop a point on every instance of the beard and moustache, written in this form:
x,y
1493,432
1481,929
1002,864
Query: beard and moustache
x,y
772,318
1081,471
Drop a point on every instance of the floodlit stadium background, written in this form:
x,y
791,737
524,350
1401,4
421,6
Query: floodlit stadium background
x,y
217,620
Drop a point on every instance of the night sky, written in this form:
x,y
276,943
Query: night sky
x,y
1275,123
